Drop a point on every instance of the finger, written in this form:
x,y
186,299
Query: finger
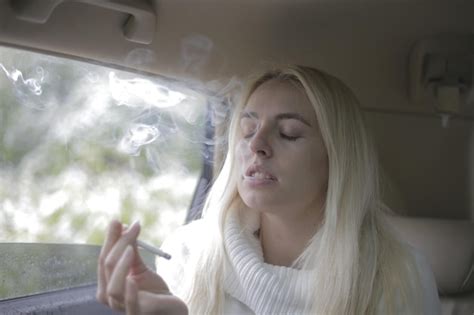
x,y
113,234
128,238
116,284
138,265
150,303
131,297
116,305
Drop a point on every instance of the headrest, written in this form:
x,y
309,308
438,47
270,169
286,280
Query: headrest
x,y
447,244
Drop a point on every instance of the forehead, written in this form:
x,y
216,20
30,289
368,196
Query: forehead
x,y
276,96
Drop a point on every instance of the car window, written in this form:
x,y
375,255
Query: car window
x,y
81,144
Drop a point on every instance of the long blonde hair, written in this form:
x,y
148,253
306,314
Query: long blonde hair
x,y
358,266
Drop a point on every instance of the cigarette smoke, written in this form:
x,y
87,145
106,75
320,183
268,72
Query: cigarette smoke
x,y
195,52
64,146
30,85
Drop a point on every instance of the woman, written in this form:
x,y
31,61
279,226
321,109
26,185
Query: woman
x,y
293,223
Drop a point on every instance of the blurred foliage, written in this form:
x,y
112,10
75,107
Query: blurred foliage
x,y
63,174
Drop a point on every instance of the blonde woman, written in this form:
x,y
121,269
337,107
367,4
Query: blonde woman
x,y
292,225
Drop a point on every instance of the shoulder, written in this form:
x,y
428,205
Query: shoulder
x,y
180,244
431,302
182,240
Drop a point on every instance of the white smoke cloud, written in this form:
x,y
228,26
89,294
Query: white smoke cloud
x,y
139,92
32,85
137,136
195,52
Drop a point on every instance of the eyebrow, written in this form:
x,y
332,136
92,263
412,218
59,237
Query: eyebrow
x,y
280,116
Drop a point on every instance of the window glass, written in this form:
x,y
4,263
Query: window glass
x,y
81,144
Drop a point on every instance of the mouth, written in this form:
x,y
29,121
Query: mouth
x,y
255,172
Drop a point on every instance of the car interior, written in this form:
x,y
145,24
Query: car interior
x,y
410,63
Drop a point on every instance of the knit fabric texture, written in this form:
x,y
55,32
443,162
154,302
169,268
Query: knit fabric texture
x,y
264,288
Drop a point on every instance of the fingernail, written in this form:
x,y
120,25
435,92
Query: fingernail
x,y
134,224
134,227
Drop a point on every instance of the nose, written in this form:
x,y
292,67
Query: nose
x,y
260,145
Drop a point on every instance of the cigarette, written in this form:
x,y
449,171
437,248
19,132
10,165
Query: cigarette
x,y
153,249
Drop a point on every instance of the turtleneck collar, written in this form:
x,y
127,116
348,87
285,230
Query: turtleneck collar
x,y
264,288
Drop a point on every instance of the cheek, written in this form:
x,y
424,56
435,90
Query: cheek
x,y
309,180
242,155
309,167
242,151
319,170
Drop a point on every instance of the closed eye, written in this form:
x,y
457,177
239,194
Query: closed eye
x,y
290,138
248,135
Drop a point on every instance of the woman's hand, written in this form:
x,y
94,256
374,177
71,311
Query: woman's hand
x,y
124,281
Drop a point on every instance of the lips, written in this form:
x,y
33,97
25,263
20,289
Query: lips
x,y
257,172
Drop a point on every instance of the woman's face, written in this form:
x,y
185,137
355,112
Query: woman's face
x,y
282,159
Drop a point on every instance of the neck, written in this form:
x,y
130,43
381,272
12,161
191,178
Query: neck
x,y
284,238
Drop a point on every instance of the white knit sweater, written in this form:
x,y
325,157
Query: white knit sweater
x,y
264,288
251,285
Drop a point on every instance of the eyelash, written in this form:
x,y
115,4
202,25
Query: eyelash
x,y
289,138
282,135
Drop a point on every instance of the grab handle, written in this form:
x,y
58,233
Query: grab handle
x,y
139,26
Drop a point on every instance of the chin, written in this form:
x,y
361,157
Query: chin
x,y
264,205
259,200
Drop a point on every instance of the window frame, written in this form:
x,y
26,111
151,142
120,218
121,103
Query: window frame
x,y
66,300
